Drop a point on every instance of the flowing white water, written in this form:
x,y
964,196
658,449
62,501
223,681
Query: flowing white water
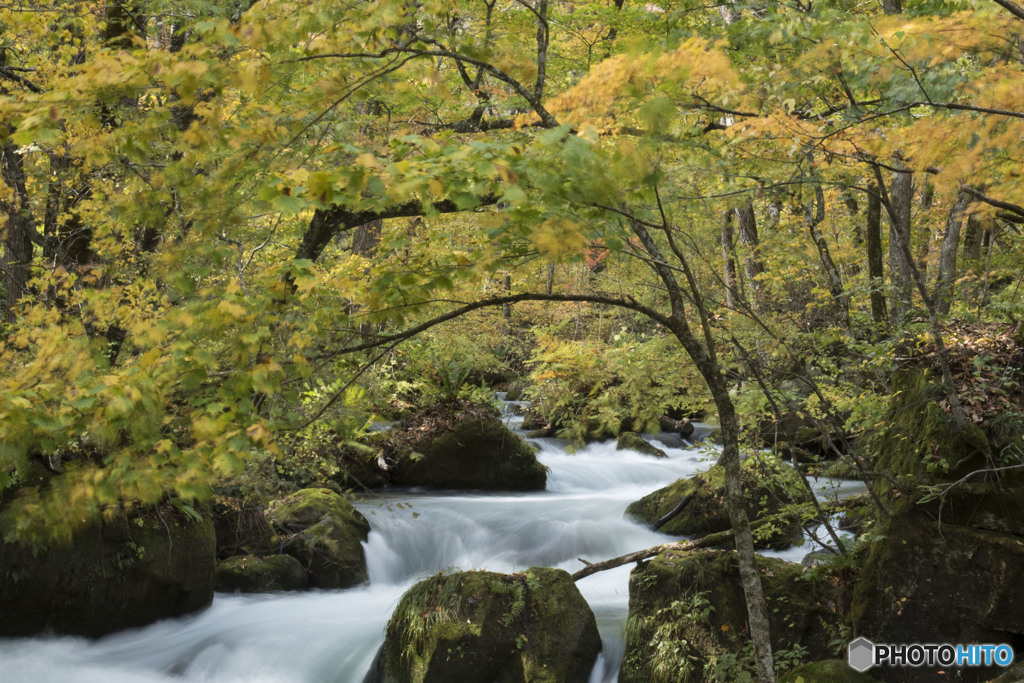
x,y
332,636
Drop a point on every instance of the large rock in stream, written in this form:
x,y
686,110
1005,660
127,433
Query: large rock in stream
x,y
128,570
687,617
769,485
476,452
631,441
324,533
925,583
482,627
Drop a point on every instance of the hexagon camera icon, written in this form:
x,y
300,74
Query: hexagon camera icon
x,y
861,654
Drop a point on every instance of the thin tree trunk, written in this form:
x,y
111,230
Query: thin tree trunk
x,y
728,262
944,285
973,237
17,257
952,397
813,216
901,195
875,266
506,310
747,222
706,361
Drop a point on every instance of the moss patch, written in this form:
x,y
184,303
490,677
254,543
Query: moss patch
x,y
482,626
768,485
252,574
324,532
687,617
630,441
918,442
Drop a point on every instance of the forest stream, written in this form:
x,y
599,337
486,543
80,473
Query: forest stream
x,y
332,636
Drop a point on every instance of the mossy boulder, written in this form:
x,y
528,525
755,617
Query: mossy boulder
x,y
953,584
919,442
769,485
476,452
687,616
1015,674
631,441
828,671
516,392
131,569
482,627
991,506
324,533
254,574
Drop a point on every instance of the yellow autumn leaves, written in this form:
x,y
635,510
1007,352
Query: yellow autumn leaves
x,y
613,95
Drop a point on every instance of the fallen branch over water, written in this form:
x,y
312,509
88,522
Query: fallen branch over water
x,y
711,540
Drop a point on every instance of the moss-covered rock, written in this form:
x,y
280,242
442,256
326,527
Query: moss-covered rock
x,y
768,485
516,392
477,452
483,627
631,441
128,570
324,533
954,584
828,671
839,469
990,506
253,574
1015,674
919,443
687,617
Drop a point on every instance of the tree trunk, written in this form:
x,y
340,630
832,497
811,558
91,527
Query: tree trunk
x,y
813,216
875,267
901,194
17,258
757,611
752,265
944,284
892,6
366,238
903,245
973,237
728,262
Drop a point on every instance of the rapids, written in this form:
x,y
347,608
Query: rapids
x,y
332,636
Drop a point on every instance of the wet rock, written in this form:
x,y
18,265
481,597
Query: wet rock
x,y
768,485
324,533
130,570
483,627
477,452
630,441
253,574
687,616
684,428
515,393
952,584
